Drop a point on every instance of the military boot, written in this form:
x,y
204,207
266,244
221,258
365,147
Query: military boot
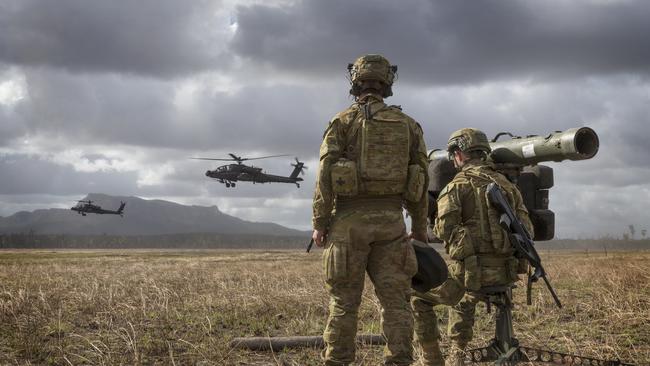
x,y
431,355
456,356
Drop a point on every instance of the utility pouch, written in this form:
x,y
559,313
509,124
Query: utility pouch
x,y
335,263
344,178
513,269
472,273
414,183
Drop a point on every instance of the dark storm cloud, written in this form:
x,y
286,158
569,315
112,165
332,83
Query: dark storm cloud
x,y
141,86
452,42
150,37
87,108
108,109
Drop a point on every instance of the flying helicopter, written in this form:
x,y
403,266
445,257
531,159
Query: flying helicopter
x,y
84,207
231,173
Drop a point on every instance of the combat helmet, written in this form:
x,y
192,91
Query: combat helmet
x,y
372,67
468,139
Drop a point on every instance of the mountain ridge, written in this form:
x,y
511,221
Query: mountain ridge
x,y
141,217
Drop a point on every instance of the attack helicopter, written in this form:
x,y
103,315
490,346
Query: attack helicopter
x,y
84,207
231,173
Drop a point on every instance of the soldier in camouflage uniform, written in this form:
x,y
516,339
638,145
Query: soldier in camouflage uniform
x,y
482,253
372,163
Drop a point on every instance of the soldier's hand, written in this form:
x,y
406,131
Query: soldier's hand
x,y
319,237
418,236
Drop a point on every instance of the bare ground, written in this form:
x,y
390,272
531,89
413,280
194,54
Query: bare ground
x,y
180,308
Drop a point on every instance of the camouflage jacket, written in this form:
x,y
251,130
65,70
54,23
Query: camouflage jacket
x,y
466,222
335,142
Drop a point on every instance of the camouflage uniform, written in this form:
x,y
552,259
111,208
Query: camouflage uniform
x,y
481,253
362,215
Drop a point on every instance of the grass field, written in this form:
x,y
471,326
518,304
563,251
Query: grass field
x,y
180,308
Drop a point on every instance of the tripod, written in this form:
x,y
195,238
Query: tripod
x,y
504,348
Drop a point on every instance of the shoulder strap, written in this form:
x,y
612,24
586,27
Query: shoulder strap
x,y
351,135
365,111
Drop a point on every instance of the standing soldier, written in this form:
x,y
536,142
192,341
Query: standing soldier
x,y
372,163
482,253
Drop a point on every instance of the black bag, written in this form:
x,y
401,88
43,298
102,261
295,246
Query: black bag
x,y
432,269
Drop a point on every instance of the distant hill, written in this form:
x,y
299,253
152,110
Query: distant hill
x,y
141,217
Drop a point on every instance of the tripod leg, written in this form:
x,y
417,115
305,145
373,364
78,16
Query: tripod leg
x,y
505,343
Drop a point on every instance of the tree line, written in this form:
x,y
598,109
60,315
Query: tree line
x,y
31,240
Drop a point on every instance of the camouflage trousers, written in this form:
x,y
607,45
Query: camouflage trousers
x,y
462,304
426,321
373,242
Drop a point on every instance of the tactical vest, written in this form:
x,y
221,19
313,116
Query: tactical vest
x,y
482,250
488,236
377,153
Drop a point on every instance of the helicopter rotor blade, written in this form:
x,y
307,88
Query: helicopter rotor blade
x,y
212,159
239,159
264,157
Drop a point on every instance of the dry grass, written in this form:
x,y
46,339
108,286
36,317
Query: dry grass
x,y
179,308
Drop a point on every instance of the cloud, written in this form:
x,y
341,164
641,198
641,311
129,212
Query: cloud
x,y
115,97
594,212
451,42
190,114
162,38
26,176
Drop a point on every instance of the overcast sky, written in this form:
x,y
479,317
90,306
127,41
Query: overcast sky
x,y
114,96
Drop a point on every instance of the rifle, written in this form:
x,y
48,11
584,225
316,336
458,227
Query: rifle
x,y
311,244
520,239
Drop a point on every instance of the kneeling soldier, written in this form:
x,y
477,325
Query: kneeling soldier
x,y
481,252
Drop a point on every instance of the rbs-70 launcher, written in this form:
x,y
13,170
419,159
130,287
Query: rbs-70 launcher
x,y
518,159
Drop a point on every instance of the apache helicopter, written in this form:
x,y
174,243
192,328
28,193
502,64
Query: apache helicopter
x,y
231,173
85,207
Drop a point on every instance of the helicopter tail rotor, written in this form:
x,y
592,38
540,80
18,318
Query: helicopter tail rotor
x,y
298,168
